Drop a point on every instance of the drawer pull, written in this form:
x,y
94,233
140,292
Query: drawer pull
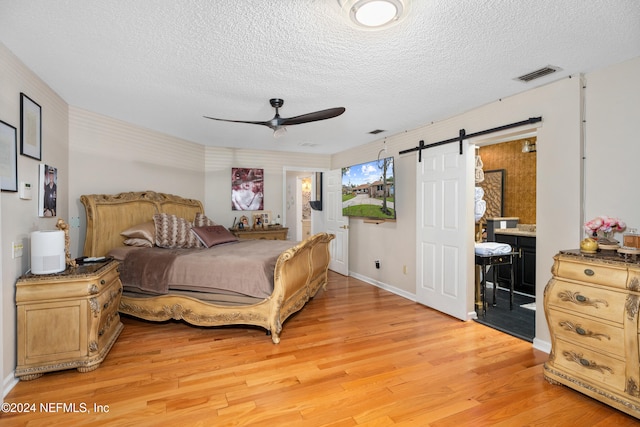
x,y
102,282
578,299
585,363
105,305
578,329
589,272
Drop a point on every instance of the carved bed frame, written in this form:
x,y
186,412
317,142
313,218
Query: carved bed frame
x,y
299,272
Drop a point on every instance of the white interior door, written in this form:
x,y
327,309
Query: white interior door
x,y
445,230
336,223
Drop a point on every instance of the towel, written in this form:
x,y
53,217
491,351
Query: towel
x,y
492,248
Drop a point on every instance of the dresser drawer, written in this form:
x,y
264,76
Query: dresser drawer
x,y
590,365
588,300
107,279
601,337
606,275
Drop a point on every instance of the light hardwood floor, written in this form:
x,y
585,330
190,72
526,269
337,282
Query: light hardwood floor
x,y
356,355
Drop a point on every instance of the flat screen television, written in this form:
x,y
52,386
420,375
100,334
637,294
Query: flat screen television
x,y
368,190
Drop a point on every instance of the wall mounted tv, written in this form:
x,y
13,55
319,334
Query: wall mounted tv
x,y
368,190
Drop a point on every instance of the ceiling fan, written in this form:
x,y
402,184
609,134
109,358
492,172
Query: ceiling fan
x,y
278,124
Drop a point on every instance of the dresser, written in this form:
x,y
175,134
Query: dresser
x,y
591,304
268,233
67,320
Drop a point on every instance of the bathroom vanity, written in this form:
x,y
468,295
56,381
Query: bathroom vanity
x,y
522,239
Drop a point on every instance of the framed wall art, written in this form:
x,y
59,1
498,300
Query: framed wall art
x,y
30,128
247,189
493,186
8,157
48,194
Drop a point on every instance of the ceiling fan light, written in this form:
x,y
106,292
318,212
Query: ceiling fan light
x,y
374,14
280,131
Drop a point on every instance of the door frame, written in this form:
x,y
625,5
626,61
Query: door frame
x,y
317,223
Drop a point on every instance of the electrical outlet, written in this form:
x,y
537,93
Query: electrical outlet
x,y
16,250
377,263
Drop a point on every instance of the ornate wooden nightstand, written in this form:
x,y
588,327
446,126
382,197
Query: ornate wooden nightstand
x,y
67,320
268,233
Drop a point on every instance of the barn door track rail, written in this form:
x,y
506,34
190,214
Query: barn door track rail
x,y
463,135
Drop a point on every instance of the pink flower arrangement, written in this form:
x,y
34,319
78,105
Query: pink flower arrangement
x,y
604,224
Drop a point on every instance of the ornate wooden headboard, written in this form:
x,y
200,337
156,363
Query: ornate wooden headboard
x,y
109,215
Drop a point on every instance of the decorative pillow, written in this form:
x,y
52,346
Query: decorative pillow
x,y
141,243
146,230
213,235
201,220
173,232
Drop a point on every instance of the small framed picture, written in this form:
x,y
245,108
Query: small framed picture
x,y
47,200
9,157
30,128
262,219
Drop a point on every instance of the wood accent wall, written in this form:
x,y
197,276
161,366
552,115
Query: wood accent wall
x,y
519,177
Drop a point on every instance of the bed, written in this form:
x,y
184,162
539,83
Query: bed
x,y
299,268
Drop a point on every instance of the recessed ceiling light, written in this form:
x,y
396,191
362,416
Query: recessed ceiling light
x,y
374,14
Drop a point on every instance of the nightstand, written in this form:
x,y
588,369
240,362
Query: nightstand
x,y
269,233
67,320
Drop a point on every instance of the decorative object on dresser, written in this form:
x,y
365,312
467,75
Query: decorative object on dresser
x,y
167,273
602,229
591,304
47,251
67,320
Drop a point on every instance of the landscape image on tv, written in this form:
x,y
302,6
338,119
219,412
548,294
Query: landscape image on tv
x,y
368,190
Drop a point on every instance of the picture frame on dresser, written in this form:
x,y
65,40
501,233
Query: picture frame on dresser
x,y
30,128
9,159
261,219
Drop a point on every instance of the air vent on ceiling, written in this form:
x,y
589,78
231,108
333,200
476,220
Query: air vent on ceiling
x,y
377,131
545,71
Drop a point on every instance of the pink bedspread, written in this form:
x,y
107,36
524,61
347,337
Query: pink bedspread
x,y
245,267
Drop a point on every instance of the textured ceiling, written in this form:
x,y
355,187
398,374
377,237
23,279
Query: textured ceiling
x,y
163,64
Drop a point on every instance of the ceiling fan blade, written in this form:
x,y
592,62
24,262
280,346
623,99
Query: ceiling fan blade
x,y
269,124
312,117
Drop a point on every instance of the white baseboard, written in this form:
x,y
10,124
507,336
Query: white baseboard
x,y
8,384
384,286
541,345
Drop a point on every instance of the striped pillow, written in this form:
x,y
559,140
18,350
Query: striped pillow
x,y
173,232
201,220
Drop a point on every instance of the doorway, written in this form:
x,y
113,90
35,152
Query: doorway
x,y
510,218
299,187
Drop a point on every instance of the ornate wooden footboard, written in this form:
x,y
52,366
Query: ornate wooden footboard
x,y
299,272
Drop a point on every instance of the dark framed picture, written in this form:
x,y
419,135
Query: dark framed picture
x,y
30,128
48,196
493,186
247,189
8,157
